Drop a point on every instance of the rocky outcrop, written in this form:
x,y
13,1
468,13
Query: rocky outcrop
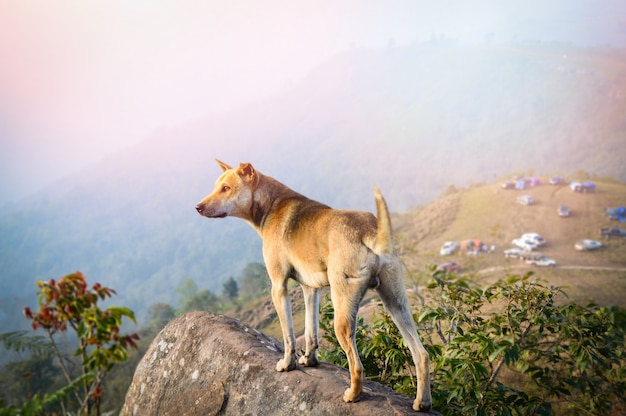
x,y
207,364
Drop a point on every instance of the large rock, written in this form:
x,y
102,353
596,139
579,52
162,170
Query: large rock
x,y
206,364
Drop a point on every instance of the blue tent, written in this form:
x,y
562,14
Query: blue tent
x,y
618,213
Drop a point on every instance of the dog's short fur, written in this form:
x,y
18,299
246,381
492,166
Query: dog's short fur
x,y
350,251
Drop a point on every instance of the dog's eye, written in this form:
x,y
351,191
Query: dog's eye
x,y
225,188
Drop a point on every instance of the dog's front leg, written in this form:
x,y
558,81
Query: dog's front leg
x,y
311,326
282,304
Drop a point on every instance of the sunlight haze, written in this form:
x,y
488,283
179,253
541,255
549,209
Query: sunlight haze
x,y
80,80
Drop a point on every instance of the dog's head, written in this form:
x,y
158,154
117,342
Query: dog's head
x,y
232,193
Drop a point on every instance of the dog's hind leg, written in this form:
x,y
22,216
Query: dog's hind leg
x,y
311,326
346,301
393,295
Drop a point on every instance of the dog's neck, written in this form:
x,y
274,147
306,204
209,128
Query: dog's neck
x,y
268,195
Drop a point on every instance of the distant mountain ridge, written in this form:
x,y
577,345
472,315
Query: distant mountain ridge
x,y
409,120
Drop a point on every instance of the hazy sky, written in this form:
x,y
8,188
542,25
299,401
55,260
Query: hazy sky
x,y
80,79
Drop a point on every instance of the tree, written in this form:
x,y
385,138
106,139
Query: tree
x,y
194,299
231,289
160,314
253,281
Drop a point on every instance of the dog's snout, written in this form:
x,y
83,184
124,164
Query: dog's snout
x,y
199,208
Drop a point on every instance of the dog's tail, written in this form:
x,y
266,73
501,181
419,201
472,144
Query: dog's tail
x,y
384,238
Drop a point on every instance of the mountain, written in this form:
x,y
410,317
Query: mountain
x,y
412,121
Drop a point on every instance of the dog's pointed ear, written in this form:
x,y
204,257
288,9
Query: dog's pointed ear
x,y
223,165
248,173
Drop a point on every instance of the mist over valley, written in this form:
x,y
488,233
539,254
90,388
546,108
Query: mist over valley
x,y
412,120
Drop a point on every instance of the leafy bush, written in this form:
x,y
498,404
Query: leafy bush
x,y
508,349
69,303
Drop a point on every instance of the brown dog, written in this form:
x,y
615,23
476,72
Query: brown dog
x,y
350,251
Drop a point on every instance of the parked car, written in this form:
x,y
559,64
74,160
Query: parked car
x,y
543,261
588,187
514,253
531,255
576,186
557,180
525,244
616,214
585,187
586,245
534,237
518,253
564,211
448,267
612,214
508,185
448,248
525,200
612,232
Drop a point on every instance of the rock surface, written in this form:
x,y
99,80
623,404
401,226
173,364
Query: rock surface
x,y
207,364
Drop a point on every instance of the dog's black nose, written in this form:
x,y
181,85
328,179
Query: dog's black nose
x,y
199,209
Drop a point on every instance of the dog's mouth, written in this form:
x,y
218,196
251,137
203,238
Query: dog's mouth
x,y
202,212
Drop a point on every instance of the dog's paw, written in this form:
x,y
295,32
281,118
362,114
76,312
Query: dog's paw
x,y
310,361
350,397
422,406
286,364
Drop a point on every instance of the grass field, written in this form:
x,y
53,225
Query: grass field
x,y
492,215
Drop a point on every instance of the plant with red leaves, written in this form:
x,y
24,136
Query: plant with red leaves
x,y
69,302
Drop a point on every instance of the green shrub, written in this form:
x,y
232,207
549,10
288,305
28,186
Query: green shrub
x,y
512,348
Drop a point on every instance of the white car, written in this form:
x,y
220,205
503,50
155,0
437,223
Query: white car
x,y
586,245
515,253
564,211
544,261
525,243
448,248
525,200
534,237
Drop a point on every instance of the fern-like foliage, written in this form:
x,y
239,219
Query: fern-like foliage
x,y
21,341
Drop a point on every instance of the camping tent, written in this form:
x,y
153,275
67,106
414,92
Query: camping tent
x,y
618,213
472,246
